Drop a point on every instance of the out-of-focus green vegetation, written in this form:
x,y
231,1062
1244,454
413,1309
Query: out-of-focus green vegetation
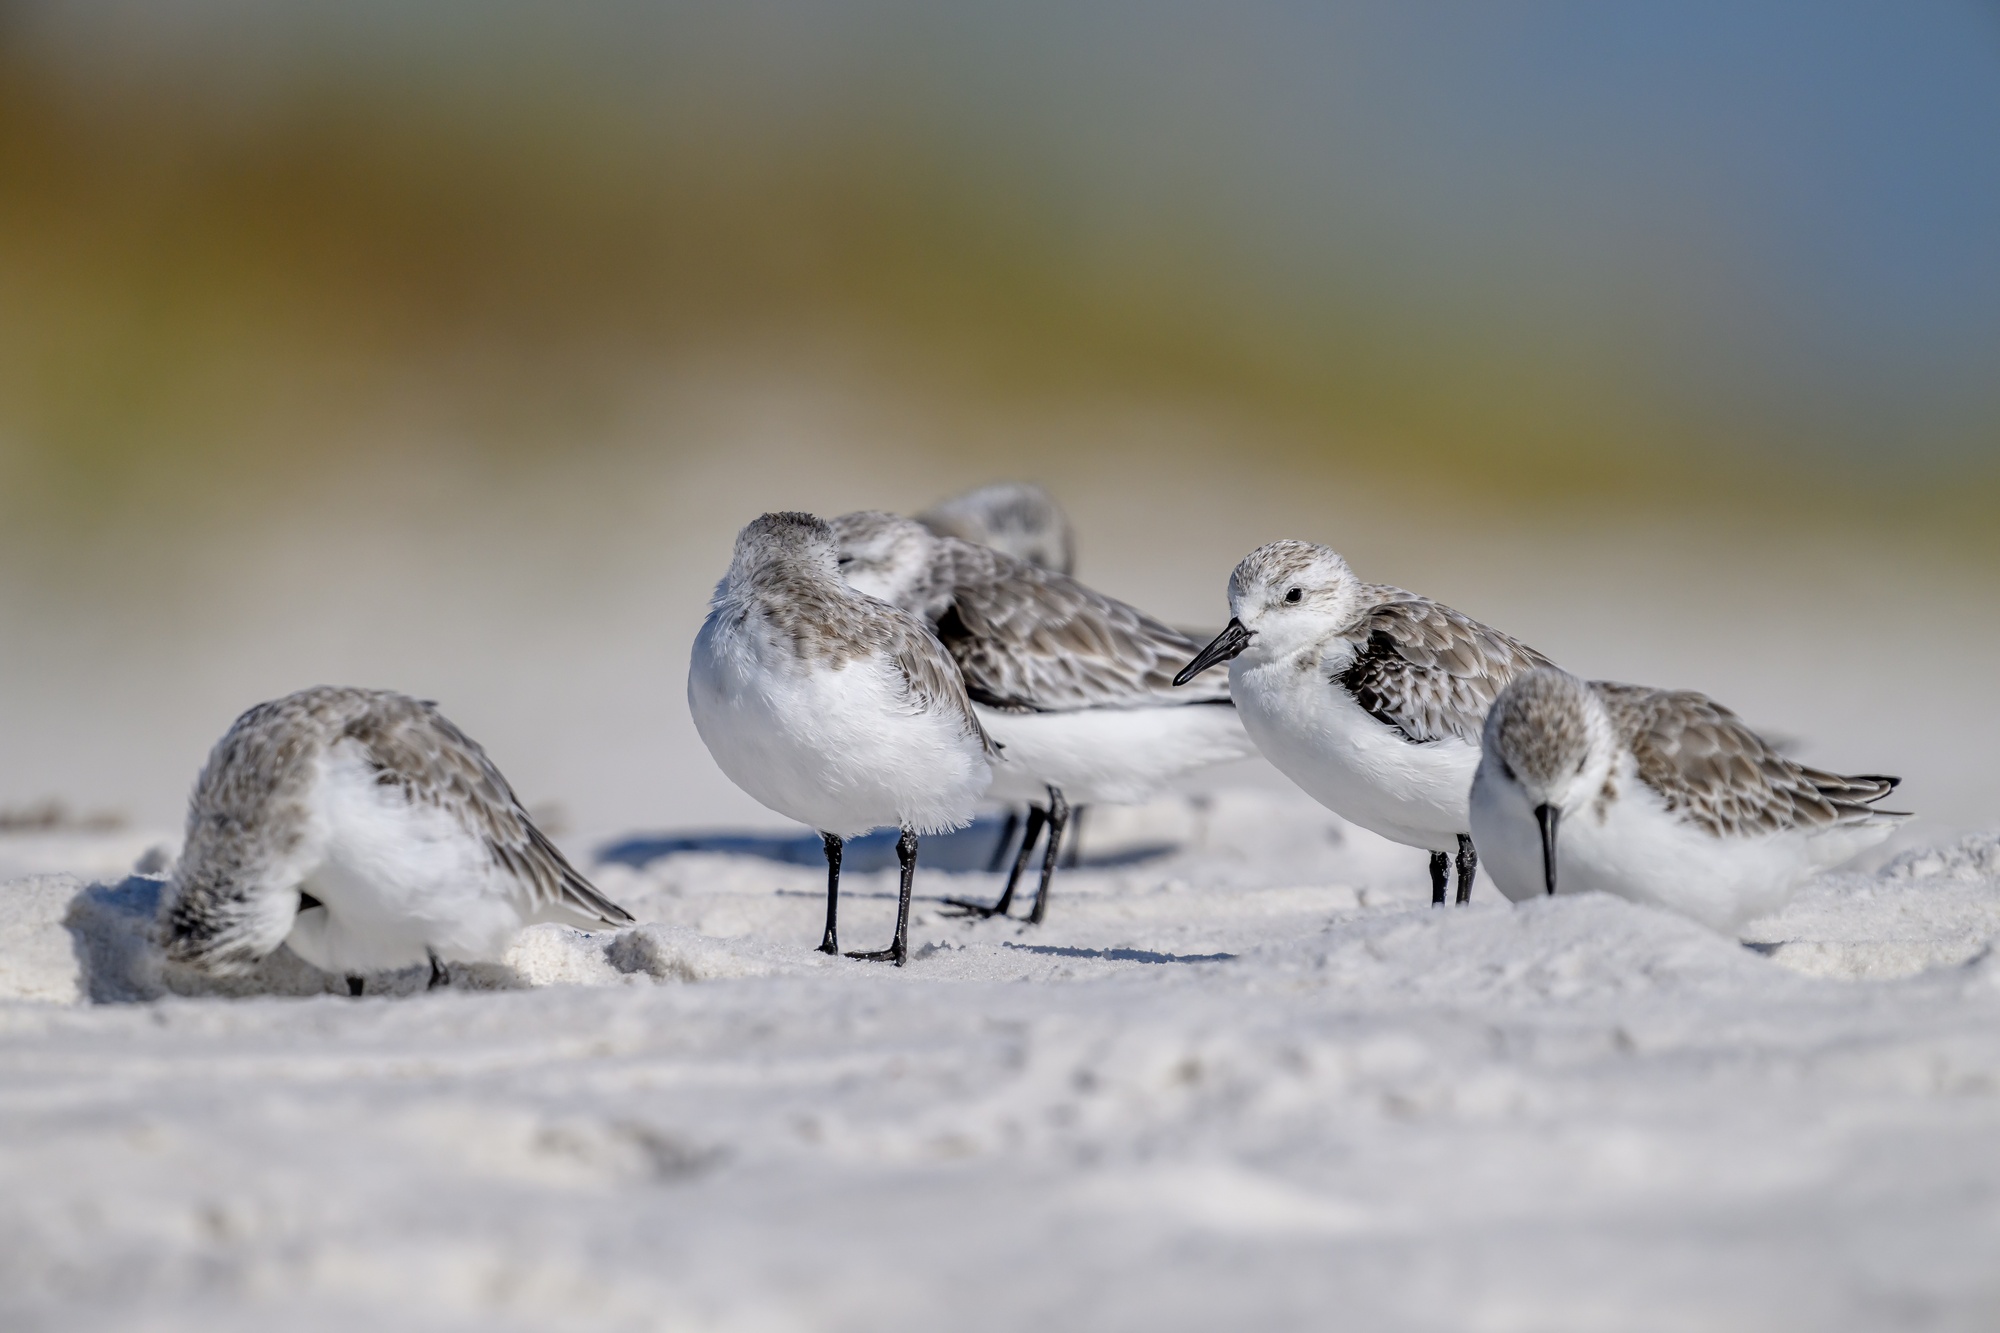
x,y
198,301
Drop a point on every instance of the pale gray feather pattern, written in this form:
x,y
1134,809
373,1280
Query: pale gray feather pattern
x,y
933,679
414,746
1033,640
1709,767
1019,518
1427,670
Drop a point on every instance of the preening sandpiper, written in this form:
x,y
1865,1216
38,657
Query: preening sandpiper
x,y
1659,796
1369,697
831,707
367,832
1076,687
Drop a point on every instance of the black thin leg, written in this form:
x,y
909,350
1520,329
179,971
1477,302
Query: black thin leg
x,y
830,942
1006,843
354,985
1468,866
1440,872
898,951
1058,818
1036,818
439,977
1073,839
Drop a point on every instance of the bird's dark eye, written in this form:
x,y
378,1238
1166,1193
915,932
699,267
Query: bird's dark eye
x,y
847,560
1295,595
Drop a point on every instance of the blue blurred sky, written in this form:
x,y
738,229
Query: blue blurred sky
x,y
1733,210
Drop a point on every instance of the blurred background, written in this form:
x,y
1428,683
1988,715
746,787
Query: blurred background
x,y
444,346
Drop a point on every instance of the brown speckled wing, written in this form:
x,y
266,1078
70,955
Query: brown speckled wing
x,y
1031,640
1428,671
1711,769
412,745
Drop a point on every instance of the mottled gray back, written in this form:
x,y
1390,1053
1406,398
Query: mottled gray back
x,y
1713,770
1031,639
1427,670
1014,517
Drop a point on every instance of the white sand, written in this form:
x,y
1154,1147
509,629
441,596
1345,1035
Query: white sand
x,y
1257,1083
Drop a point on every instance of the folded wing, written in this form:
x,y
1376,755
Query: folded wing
x,y
1029,639
1431,672
416,746
1712,769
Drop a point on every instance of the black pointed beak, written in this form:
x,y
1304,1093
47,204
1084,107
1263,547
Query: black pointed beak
x,y
1233,640
1546,815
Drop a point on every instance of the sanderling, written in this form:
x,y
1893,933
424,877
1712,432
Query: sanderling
x,y
1025,521
1076,687
1017,517
368,833
833,708
1660,796
1369,697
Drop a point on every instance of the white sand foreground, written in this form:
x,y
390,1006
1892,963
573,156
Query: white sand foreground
x,y
1254,1082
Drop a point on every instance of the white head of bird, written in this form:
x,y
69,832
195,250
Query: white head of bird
x,y
1284,598
1549,741
890,558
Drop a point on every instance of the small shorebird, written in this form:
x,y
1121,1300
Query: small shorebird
x,y
833,708
1017,517
1660,796
1369,697
1076,687
1023,520
368,833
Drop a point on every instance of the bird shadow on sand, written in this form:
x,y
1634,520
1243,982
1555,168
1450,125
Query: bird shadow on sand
x,y
972,848
1119,955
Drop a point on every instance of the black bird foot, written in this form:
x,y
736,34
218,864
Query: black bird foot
x,y
354,985
894,954
439,976
966,907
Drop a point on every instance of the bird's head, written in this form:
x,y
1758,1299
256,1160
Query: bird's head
x,y
1549,737
889,558
1282,597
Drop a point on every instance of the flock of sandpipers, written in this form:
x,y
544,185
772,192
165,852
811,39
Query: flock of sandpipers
x,y
876,671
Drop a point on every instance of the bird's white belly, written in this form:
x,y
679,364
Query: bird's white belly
x,y
397,879
1316,735
1116,755
839,750
1637,849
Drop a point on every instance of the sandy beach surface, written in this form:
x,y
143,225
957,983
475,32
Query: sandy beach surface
x,y
1244,1077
